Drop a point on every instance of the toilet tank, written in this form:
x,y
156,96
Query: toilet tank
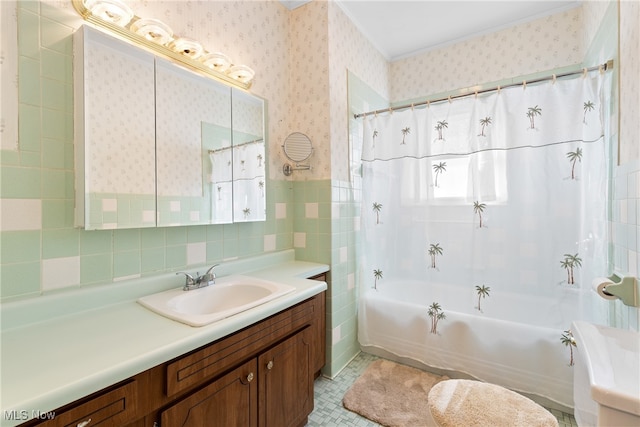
x,y
606,378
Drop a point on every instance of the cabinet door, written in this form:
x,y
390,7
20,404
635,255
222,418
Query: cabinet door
x,y
193,147
114,133
230,401
286,382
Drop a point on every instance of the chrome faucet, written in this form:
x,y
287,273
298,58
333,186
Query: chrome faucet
x,y
208,278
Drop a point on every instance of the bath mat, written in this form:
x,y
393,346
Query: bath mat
x,y
391,394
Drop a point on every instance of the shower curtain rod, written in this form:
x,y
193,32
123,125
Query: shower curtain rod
x,y
236,146
604,67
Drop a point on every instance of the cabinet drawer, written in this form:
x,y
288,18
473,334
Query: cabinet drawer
x,y
116,407
224,354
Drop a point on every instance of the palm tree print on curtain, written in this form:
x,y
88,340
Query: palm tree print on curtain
x,y
377,274
532,112
484,123
479,208
377,207
405,131
483,292
568,263
436,314
587,106
434,250
440,127
574,156
438,169
568,340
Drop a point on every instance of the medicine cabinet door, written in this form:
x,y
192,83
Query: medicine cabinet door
x,y
114,146
193,147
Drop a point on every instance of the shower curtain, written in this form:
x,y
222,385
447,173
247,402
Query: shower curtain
x,y
500,195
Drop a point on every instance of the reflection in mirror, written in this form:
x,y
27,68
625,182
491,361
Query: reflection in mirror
x,y
217,143
249,178
184,101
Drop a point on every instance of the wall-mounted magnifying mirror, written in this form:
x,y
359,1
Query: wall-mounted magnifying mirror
x,y
297,147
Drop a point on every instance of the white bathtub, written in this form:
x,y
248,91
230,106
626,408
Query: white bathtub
x,y
488,345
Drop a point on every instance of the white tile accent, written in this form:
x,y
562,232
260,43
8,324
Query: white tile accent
x,y
269,242
351,281
281,210
109,205
60,273
174,206
196,253
311,210
336,335
623,211
343,254
335,210
633,263
20,214
299,240
148,216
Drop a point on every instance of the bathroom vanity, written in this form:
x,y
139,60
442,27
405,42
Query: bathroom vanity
x,y
262,375
254,368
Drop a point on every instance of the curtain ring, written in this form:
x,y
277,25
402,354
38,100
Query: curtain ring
x,y
390,110
412,106
584,72
554,79
428,104
449,99
498,88
602,68
476,93
524,84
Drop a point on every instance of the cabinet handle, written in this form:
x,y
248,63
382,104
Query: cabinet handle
x,y
270,365
250,377
84,423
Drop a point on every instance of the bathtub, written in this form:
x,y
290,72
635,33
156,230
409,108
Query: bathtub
x,y
487,345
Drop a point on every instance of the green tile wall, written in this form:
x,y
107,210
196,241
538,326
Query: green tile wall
x,y
42,169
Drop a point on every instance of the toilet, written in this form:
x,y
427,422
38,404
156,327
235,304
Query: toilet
x,y
606,377
454,403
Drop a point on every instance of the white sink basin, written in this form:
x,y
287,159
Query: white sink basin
x,y
228,296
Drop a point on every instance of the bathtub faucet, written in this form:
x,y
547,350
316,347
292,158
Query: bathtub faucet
x,y
208,278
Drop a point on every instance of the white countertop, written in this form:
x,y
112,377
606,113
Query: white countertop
x,y
58,359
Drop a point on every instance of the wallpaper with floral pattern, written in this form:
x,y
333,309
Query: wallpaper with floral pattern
x,y
543,44
629,81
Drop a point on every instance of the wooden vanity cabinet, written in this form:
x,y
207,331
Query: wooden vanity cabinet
x,y
260,376
273,390
286,382
231,400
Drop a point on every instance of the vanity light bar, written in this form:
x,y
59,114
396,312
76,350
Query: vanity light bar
x,y
239,80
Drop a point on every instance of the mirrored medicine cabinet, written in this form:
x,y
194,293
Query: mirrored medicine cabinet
x,y
160,145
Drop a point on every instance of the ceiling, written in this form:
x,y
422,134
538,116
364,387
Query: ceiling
x,y
399,28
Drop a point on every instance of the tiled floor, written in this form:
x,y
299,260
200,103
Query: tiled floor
x,y
329,411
